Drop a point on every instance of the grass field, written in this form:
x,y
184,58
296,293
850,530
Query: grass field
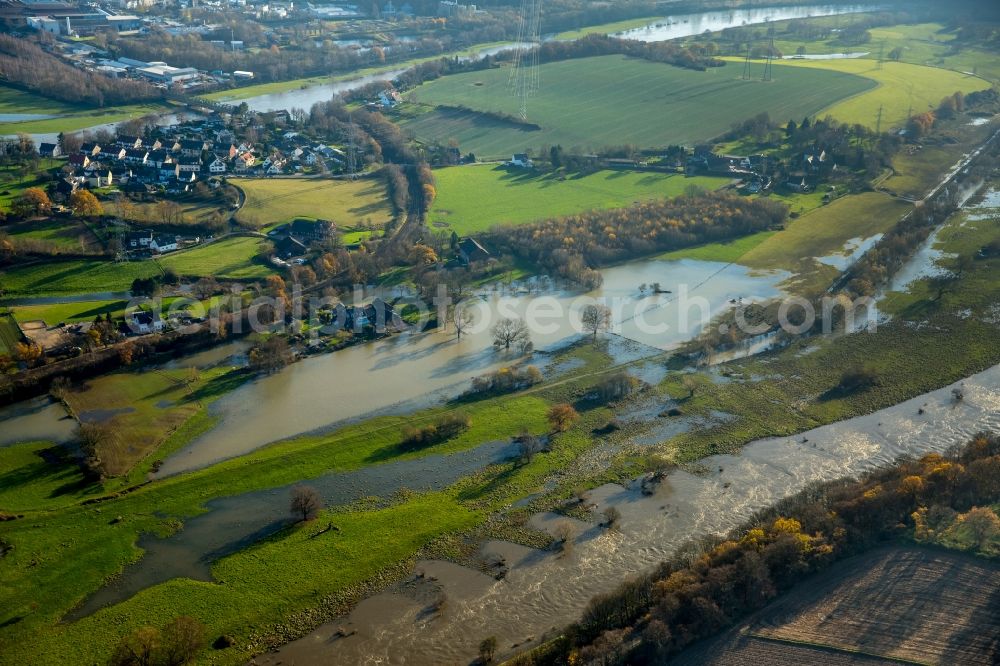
x,y
822,232
79,311
902,88
346,203
68,118
73,277
13,100
66,235
233,258
474,198
194,212
611,100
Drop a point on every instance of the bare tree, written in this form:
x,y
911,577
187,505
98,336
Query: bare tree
x,y
611,517
96,438
596,318
306,502
487,650
510,331
528,445
183,638
462,318
564,537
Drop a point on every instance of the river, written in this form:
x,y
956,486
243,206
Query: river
x,y
544,591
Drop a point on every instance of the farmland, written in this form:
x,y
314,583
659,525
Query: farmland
x,y
611,100
902,87
900,604
474,198
272,201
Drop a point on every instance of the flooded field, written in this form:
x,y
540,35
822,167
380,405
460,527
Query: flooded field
x,y
543,591
409,370
232,523
35,420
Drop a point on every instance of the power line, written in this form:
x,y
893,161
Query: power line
x,y
523,77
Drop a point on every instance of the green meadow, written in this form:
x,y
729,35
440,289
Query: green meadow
x,y
612,100
474,198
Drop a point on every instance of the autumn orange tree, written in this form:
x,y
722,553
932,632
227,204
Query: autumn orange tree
x,y
562,416
33,201
85,204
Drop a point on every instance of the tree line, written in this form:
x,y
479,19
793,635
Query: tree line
x,y
699,593
572,246
25,65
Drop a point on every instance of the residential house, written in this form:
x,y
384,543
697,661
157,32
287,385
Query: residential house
x,y
127,141
100,178
91,149
289,247
163,243
216,166
244,162
276,168
49,150
308,230
169,171
225,150
469,251
521,160
389,98
138,241
143,323
188,166
114,153
157,158
136,156
79,160
192,147
797,183
67,186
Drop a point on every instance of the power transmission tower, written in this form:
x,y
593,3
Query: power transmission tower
x,y
352,152
767,63
746,63
878,121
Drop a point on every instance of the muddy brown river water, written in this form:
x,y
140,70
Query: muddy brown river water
x,y
543,591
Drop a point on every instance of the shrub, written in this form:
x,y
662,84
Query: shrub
x,y
443,429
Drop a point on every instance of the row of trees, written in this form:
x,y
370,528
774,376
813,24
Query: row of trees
x,y
571,246
652,617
